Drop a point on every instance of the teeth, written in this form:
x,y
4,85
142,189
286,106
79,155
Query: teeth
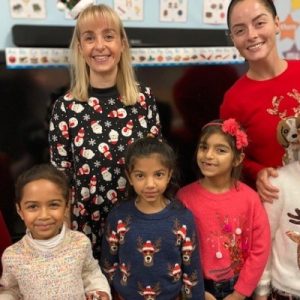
x,y
255,46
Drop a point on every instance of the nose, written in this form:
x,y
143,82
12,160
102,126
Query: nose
x,y
43,213
252,32
100,43
150,181
209,153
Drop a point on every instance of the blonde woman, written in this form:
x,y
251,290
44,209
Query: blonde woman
x,y
104,111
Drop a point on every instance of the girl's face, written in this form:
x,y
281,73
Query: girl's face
x,y
149,178
253,30
42,208
101,46
215,157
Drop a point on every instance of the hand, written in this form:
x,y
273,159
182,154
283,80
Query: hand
x,y
97,295
235,296
265,189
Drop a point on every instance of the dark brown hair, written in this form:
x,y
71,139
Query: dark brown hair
x,y
42,171
267,3
145,147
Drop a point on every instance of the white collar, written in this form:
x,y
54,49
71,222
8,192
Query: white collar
x,y
47,244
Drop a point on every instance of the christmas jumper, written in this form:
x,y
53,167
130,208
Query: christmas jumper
x,y
87,141
65,272
152,254
283,268
234,233
259,106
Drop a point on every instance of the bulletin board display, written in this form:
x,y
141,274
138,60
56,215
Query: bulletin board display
x,y
151,13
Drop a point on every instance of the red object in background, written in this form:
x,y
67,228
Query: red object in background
x,y
5,240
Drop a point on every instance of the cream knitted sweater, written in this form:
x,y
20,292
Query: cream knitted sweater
x,y
66,272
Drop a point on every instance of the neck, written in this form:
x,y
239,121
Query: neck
x,y
103,81
265,70
151,208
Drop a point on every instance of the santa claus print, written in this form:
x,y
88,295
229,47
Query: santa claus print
x,y
96,127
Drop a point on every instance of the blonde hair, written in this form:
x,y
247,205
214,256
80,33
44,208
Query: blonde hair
x,y
80,81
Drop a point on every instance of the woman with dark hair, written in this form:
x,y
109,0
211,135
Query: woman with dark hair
x,y
267,93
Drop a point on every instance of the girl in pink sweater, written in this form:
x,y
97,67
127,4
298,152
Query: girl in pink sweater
x,y
232,224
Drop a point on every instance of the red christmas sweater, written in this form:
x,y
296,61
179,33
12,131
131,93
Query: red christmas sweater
x,y
259,106
234,233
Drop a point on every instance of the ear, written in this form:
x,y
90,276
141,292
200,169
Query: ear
x,y
277,24
128,177
170,175
239,160
19,211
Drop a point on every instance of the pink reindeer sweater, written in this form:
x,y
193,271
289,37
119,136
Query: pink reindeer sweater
x,y
234,233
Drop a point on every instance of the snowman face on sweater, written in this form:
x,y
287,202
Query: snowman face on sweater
x,y
149,178
42,208
101,46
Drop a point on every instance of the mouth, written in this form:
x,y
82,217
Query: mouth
x,y
255,46
43,227
101,58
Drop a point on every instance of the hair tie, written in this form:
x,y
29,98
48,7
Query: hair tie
x,y
232,127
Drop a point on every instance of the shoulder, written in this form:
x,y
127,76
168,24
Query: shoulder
x,y
236,87
14,250
191,187
294,65
244,190
119,209
78,237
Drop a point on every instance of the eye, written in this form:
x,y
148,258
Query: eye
x,y
139,176
55,204
160,174
239,32
31,207
203,147
221,150
87,38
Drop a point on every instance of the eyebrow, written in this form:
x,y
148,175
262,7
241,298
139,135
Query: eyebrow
x,y
253,20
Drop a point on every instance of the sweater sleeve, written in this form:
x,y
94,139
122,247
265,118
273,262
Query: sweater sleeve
x,y
258,254
192,273
9,289
152,113
59,138
109,258
274,211
93,278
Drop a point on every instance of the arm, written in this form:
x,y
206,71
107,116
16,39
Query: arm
x,y
95,283
152,114
9,289
59,138
265,189
258,252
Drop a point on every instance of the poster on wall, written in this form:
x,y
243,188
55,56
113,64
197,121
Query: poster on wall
x,y
173,10
28,9
215,11
289,36
130,10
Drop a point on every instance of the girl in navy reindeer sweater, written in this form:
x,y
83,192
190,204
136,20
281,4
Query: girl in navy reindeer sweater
x,y
150,247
